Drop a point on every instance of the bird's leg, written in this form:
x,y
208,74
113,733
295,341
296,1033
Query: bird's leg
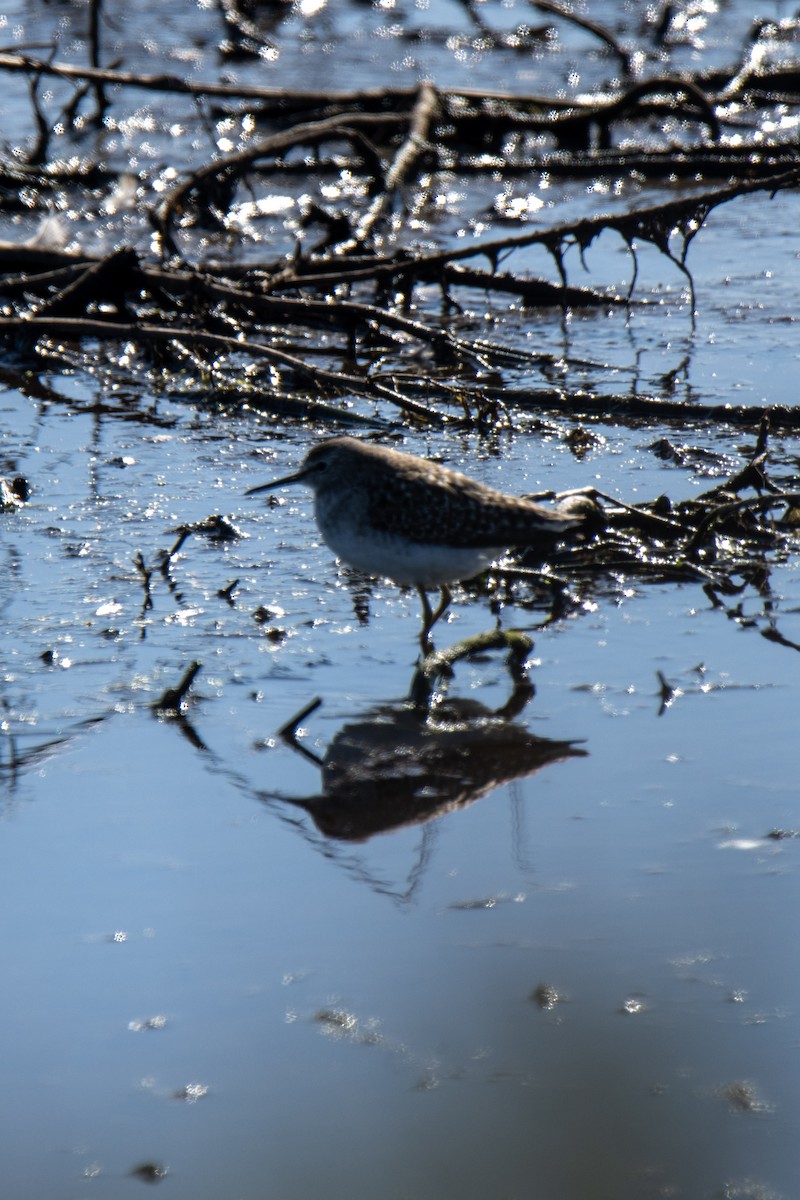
x,y
425,643
496,606
443,605
431,616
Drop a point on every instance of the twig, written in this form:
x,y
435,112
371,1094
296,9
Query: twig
x,y
424,113
79,328
38,152
230,165
288,731
654,223
244,30
751,504
105,277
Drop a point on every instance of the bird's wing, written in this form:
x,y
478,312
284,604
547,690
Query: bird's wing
x,y
455,510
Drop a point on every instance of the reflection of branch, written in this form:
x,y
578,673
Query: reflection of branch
x,y
437,667
599,31
17,759
736,612
172,707
289,732
146,574
667,693
773,634
173,700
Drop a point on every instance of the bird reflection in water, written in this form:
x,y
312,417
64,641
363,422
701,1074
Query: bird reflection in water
x,y
407,763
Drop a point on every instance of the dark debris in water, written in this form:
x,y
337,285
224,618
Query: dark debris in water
x,y
337,313
724,539
191,1093
483,902
743,1096
14,492
546,996
344,1025
150,1172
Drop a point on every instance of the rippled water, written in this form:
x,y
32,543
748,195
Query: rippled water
x,y
576,978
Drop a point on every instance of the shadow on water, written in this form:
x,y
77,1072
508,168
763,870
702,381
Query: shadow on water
x,y
406,763
409,762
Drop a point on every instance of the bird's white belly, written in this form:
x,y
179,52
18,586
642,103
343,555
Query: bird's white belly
x,y
410,564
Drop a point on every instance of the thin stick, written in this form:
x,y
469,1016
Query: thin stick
x,y
423,115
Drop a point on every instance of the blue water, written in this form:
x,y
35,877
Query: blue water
x,y
198,979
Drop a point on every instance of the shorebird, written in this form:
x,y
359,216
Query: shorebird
x,y
413,521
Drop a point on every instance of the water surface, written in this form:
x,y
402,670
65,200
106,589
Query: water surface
x,y
581,981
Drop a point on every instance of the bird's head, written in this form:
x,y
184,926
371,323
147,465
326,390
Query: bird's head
x,y
319,466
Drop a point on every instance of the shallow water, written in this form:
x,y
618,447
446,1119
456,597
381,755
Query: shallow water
x,y
358,1015
580,981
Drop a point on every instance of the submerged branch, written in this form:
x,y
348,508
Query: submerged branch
x,y
76,329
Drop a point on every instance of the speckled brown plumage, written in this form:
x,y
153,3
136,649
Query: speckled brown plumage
x,y
422,501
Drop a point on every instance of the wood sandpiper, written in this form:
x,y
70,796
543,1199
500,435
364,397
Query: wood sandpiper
x,y
413,521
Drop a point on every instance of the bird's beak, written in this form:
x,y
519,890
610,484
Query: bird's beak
x,y
265,487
